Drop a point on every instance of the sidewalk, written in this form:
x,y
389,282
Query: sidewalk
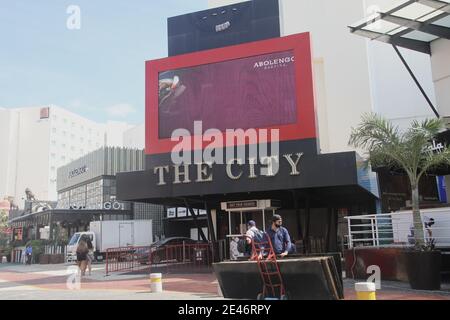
x,y
54,278
50,282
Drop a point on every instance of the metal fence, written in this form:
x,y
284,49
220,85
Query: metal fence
x,y
397,229
55,250
127,259
183,258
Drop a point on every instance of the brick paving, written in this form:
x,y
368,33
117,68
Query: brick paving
x,y
54,278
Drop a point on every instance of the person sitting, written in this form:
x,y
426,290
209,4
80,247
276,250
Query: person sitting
x,y
279,235
252,232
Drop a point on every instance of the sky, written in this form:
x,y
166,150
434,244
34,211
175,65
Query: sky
x,y
96,71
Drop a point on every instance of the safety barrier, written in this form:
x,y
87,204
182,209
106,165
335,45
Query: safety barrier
x,y
184,258
397,229
55,250
127,259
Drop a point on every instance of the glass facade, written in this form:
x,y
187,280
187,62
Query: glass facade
x,y
91,196
101,195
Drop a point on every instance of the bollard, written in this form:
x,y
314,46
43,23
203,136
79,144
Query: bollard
x,y
366,291
156,282
4,259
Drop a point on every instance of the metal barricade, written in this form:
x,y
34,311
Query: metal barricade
x,y
127,259
184,258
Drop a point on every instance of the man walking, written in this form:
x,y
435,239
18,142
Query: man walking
x,y
29,254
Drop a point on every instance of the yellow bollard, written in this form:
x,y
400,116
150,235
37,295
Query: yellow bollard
x,y
156,282
366,291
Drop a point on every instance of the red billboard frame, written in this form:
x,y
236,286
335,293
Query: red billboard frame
x,y
300,44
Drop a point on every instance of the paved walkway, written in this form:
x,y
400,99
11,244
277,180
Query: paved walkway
x,y
50,282
54,282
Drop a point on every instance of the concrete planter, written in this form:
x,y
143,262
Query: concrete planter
x,y
390,260
56,259
44,259
424,269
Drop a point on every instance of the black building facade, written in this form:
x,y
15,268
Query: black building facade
x,y
315,191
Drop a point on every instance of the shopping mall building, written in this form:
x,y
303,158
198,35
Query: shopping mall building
x,y
297,84
86,192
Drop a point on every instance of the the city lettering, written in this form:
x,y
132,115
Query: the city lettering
x,y
234,169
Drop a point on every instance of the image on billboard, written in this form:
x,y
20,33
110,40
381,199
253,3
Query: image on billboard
x,y
252,92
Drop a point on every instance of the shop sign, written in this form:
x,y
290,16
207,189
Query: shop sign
x,y
113,206
78,171
172,213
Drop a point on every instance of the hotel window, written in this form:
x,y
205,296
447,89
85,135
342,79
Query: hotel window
x,y
54,130
45,113
53,143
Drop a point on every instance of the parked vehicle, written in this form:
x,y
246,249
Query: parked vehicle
x,y
106,235
180,250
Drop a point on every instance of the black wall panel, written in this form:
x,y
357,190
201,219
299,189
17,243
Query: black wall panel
x,y
243,22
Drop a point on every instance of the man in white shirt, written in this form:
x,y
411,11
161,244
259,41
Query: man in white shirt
x,y
251,231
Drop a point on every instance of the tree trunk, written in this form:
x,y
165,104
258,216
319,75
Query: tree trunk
x,y
418,224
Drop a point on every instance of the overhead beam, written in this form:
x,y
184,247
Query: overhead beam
x,y
411,44
436,4
432,29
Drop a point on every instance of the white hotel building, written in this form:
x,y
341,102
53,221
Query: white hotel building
x,y
36,141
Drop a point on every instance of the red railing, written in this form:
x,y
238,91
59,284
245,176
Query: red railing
x,y
191,258
127,259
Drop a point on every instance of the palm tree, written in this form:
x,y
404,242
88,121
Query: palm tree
x,y
410,150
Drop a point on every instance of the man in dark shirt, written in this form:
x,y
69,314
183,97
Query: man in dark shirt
x,y
281,241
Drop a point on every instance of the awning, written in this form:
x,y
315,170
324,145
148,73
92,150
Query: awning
x,y
412,24
44,217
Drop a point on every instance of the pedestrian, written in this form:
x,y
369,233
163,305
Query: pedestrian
x,y
29,253
253,235
279,235
90,255
82,253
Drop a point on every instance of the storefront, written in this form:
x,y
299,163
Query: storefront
x,y
239,124
86,193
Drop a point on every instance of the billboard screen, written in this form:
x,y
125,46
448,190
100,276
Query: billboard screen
x,y
253,92
259,85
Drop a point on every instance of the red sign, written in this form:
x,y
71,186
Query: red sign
x,y
265,85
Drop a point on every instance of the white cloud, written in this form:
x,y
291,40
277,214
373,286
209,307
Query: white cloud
x,y
120,110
